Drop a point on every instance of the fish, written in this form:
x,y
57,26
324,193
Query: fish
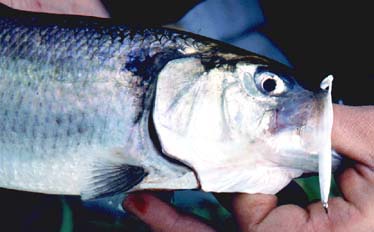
x,y
94,108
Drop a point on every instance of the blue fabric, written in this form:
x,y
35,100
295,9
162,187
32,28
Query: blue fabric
x,y
232,21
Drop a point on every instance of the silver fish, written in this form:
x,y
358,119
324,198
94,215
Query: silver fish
x,y
92,108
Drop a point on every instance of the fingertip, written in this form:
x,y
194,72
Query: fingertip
x,y
151,210
136,203
159,215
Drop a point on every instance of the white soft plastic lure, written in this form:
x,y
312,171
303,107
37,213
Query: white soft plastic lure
x,y
325,162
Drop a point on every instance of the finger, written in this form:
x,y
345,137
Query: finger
x,y
258,212
353,131
340,213
366,172
160,216
81,7
319,219
251,209
357,189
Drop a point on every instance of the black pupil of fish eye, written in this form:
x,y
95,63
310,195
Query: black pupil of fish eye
x,y
269,85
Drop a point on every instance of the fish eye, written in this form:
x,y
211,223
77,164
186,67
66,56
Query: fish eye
x,y
270,84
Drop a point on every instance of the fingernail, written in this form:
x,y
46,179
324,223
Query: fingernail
x,y
136,203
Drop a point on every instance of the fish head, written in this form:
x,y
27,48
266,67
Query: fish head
x,y
242,126
292,122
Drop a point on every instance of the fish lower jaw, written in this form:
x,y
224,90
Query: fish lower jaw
x,y
265,179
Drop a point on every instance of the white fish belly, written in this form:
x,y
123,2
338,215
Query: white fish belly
x,y
60,175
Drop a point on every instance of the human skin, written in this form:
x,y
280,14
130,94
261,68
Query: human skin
x,y
81,7
352,135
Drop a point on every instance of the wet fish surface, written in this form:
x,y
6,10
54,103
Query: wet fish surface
x,y
93,108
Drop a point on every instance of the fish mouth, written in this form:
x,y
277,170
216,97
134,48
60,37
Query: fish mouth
x,y
308,143
303,133
320,124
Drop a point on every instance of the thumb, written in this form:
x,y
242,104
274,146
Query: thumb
x,y
353,132
251,209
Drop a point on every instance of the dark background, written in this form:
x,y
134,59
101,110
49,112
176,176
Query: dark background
x,y
327,37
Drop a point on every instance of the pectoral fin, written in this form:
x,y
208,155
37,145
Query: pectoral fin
x,y
111,178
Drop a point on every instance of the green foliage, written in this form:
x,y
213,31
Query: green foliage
x,y
67,217
310,186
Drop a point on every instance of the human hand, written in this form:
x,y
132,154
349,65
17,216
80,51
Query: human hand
x,y
81,7
353,132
